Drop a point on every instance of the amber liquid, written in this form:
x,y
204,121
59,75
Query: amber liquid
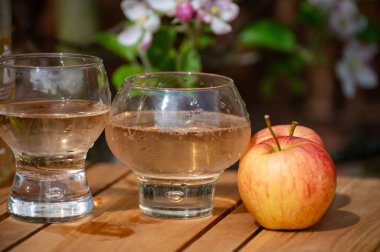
x,y
171,145
51,127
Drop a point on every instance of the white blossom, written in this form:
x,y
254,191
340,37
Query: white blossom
x,y
346,20
217,13
166,6
146,22
354,68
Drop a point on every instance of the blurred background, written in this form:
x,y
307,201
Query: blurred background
x,y
313,61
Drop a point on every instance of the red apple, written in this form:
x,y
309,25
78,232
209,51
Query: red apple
x,y
284,130
287,182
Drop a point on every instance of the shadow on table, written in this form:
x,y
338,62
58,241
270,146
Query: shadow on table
x,y
335,218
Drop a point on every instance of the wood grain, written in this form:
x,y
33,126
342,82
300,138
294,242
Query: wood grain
x,y
3,211
351,223
228,234
99,177
4,192
118,225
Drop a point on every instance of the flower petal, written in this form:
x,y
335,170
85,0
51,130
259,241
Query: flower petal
x,y
130,36
367,51
146,41
366,77
152,23
196,4
355,50
134,10
185,11
347,8
346,78
346,21
166,6
204,16
230,13
220,27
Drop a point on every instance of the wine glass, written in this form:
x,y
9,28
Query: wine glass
x,y
178,132
57,106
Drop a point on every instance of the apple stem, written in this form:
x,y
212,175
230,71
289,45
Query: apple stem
x,y
269,126
292,128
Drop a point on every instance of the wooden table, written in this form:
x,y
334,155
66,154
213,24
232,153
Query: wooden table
x,y
351,224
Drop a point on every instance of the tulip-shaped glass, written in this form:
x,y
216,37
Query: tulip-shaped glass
x,y
178,132
57,106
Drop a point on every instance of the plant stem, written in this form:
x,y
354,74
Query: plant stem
x,y
145,61
269,126
292,128
190,35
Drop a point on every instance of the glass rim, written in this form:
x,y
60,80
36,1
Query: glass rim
x,y
129,81
6,61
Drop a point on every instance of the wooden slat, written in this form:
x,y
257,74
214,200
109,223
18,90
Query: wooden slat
x,y
3,211
351,223
4,192
100,176
118,225
228,234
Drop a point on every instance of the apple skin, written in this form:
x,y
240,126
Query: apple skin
x,y
283,130
288,189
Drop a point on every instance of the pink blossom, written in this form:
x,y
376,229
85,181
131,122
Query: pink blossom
x,y
185,11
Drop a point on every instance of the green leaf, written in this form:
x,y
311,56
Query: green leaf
x,y
205,41
371,33
294,63
310,15
169,81
287,65
101,80
190,81
188,59
267,86
123,72
297,85
162,54
268,34
109,41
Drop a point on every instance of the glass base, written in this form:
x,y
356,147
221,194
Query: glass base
x,y
32,211
57,196
181,199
